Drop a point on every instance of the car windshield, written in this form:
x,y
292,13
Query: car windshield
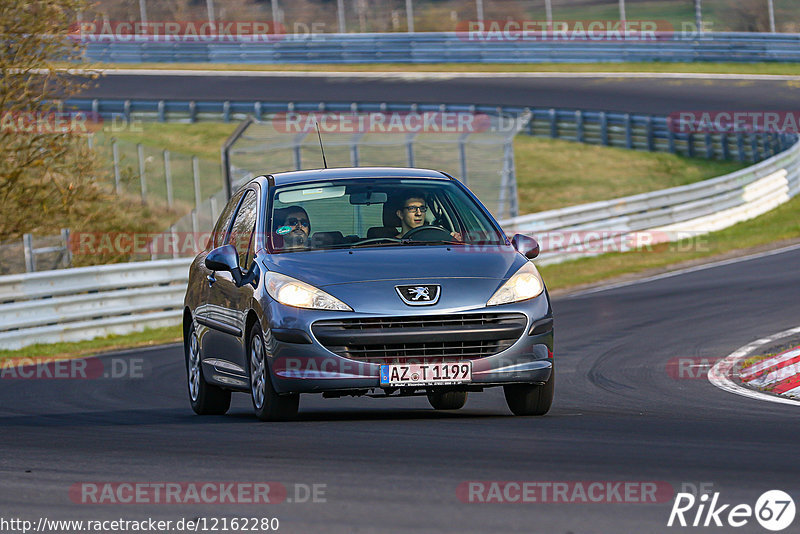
x,y
371,212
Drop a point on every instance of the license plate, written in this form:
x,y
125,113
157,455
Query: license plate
x,y
426,374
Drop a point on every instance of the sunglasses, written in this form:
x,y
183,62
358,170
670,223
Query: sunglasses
x,y
412,209
294,221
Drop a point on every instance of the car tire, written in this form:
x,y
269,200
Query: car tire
x,y
447,400
530,399
268,405
205,398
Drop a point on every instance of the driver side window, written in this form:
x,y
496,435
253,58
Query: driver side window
x,y
242,231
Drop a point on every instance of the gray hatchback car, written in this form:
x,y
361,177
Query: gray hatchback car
x,y
381,282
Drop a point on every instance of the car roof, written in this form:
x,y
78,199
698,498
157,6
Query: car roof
x,y
345,173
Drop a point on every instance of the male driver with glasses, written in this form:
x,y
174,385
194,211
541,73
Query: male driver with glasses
x,y
412,213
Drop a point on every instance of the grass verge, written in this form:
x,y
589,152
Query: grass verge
x,y
147,338
791,69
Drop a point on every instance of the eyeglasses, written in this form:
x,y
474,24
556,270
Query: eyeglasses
x,y
294,221
412,209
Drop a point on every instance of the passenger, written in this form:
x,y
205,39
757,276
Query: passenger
x,y
293,226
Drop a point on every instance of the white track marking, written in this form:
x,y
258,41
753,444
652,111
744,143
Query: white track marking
x,y
720,373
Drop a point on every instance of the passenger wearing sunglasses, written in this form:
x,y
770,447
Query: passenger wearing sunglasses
x,y
412,214
294,227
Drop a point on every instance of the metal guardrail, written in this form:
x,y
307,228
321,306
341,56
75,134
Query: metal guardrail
x,y
440,47
88,302
624,130
666,215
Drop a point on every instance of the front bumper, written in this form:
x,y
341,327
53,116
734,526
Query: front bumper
x,y
301,364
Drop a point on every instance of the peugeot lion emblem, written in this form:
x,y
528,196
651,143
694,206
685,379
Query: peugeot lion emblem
x,y
419,295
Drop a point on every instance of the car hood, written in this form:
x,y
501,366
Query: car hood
x,y
366,278
324,268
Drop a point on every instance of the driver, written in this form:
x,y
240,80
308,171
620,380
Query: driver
x,y
412,214
293,226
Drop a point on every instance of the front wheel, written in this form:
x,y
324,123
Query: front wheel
x,y
205,398
268,405
447,400
530,399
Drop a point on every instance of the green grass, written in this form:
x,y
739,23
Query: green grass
x,y
656,67
148,337
554,173
780,224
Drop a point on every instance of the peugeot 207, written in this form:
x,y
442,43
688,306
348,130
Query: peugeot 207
x,y
380,282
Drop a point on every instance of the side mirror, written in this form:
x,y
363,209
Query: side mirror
x,y
225,258
526,245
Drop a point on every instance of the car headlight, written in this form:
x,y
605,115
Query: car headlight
x,y
293,292
525,284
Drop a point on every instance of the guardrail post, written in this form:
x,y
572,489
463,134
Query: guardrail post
x,y
740,146
161,114
96,107
298,161
410,148
168,178
604,128
709,146
726,150
214,210
198,199
174,241
257,110
553,123
754,148
579,126
115,153
126,107
628,131
690,144
651,144
67,250
142,170
194,222
192,111
226,111
462,157
27,249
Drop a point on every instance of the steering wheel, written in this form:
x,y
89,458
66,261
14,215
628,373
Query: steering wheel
x,y
428,233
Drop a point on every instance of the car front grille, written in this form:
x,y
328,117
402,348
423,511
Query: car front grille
x,y
439,338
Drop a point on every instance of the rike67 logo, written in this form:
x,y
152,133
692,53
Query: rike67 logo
x,y
774,510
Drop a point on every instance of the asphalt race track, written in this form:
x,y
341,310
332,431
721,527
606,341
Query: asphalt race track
x,y
395,465
618,93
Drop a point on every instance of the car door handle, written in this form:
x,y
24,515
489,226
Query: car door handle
x,y
211,279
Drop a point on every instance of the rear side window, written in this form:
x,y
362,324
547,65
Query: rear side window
x,y
243,228
224,220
